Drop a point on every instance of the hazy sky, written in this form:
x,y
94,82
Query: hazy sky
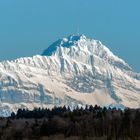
x,y
27,27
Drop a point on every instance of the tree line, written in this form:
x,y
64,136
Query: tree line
x,y
89,121
93,122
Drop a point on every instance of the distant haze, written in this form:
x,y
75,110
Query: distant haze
x,y
28,27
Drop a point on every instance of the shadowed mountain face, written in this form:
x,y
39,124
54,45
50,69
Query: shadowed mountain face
x,y
72,71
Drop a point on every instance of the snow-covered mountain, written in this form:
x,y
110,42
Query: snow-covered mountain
x,y
72,71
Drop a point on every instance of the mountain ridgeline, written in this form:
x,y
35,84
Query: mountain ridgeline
x,y
73,71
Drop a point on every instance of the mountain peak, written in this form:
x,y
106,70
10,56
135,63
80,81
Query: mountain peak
x,y
64,42
78,40
80,47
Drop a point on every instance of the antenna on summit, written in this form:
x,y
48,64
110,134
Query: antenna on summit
x,y
78,30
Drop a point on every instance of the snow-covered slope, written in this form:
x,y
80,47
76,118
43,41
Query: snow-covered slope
x,y
72,71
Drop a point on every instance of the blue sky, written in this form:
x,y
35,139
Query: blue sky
x,y
27,27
